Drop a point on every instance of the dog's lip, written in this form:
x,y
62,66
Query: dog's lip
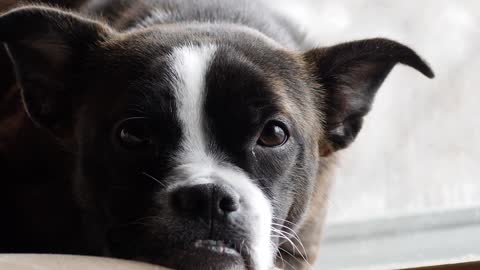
x,y
217,246
198,253
227,249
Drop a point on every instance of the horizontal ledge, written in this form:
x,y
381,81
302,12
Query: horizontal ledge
x,y
402,224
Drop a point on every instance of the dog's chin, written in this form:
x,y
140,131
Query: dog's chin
x,y
203,254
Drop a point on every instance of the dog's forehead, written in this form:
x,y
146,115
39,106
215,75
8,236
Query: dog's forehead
x,y
253,76
245,77
157,43
208,81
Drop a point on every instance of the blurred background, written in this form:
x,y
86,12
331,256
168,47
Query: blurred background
x,y
408,190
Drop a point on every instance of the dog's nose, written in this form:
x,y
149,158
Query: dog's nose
x,y
206,201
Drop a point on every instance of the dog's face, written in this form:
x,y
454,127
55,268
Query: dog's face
x,y
194,149
197,147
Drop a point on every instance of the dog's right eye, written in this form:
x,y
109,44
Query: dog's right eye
x,y
134,134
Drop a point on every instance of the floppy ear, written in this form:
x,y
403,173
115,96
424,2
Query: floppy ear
x,y
47,47
350,75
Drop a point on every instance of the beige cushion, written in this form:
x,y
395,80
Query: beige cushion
x,y
68,262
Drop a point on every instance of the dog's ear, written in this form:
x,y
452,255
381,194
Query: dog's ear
x,y
47,47
349,75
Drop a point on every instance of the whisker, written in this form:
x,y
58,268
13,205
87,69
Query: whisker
x,y
283,226
284,262
295,236
241,246
279,255
248,264
295,257
284,220
154,179
289,228
139,221
293,245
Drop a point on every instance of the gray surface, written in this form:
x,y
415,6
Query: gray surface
x,y
68,262
402,242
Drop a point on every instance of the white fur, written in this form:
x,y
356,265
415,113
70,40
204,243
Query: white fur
x,y
190,65
198,162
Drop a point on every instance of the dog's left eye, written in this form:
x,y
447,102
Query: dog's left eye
x,y
274,134
134,134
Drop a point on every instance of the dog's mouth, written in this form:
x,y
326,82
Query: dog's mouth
x,y
218,247
199,253
204,254
219,254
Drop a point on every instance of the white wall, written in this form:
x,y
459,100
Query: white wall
x,y
419,150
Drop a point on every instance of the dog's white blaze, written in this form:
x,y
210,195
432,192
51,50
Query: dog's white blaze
x,y
190,65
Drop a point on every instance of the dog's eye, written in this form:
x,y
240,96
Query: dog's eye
x,y
274,134
134,134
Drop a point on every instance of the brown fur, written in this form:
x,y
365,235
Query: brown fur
x,y
310,232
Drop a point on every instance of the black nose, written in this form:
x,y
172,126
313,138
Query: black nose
x,y
206,201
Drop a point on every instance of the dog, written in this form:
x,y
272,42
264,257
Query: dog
x,y
194,134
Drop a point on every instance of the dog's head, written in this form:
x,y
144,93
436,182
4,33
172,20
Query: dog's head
x,y
197,146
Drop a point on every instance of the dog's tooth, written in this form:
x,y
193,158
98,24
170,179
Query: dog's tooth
x,y
215,245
